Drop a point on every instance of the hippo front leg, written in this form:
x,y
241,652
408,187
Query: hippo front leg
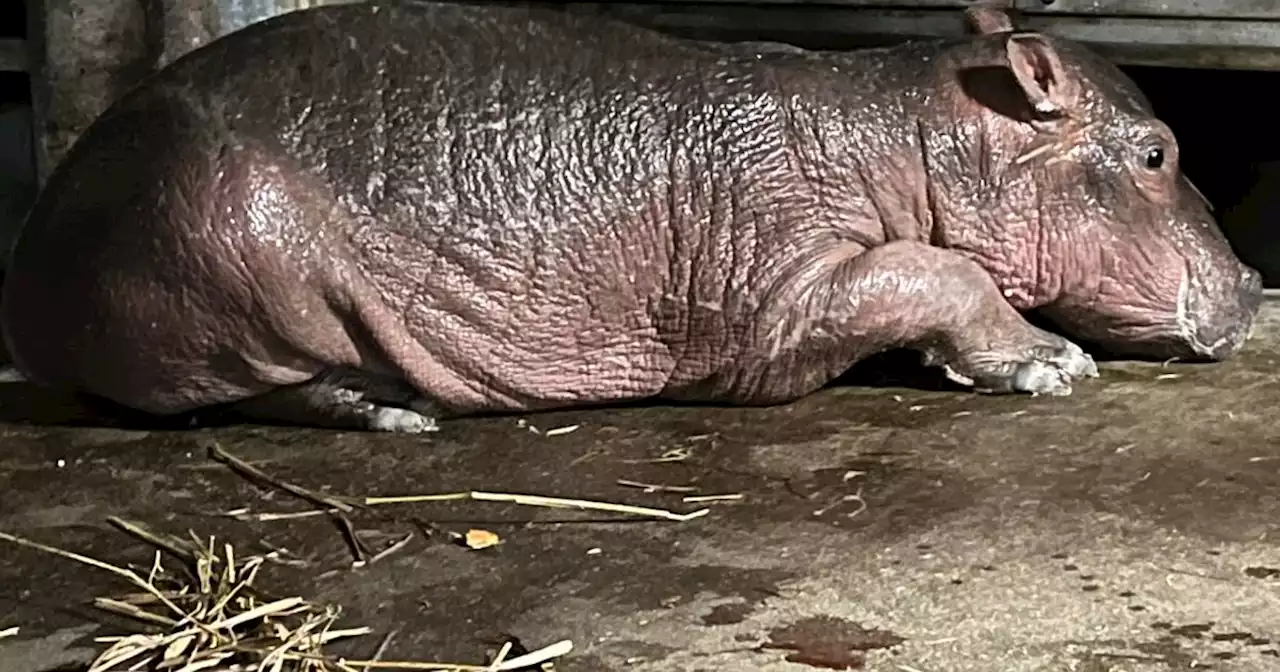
x,y
949,308
908,294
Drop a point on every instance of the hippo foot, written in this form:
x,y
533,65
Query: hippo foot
x,y
322,403
399,420
379,418
1045,369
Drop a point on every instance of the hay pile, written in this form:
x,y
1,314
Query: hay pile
x,y
213,619
203,612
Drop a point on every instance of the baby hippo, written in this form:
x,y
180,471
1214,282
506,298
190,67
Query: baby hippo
x,y
374,215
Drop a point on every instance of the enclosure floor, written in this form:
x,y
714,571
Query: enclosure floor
x,y
1130,526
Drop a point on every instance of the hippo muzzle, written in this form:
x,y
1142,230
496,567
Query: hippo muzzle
x,y
1216,311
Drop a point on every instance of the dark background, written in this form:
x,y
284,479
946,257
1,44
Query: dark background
x,y
14,87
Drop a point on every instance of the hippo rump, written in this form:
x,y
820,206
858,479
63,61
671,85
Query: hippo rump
x,y
374,215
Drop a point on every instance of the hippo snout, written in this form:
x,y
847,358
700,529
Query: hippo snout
x,y
1218,313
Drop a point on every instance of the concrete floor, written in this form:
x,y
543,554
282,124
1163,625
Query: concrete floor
x,y
1128,527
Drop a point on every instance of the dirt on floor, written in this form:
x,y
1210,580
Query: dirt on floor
x,y
1127,527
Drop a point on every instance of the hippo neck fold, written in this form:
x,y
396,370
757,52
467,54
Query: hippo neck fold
x,y
866,162
980,182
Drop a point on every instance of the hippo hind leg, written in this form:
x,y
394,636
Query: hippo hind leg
x,y
345,399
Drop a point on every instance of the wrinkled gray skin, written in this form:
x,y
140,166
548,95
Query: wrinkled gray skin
x,y
371,215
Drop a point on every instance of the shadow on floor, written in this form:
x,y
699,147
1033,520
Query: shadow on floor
x,y
24,404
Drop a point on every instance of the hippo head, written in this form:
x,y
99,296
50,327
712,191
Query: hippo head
x,y
1052,171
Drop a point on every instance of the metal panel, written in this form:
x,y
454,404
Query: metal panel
x,y
37,70
1186,43
236,14
1160,32
1129,41
880,4
1215,9
188,24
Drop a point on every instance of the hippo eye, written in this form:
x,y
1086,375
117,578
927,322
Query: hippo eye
x,y
1155,158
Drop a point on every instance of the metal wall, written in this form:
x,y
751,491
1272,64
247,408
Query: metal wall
x,y
1236,34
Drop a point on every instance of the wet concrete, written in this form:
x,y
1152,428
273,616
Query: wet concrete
x,y
1127,527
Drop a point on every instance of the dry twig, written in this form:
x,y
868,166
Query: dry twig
x,y
255,474
538,500
655,487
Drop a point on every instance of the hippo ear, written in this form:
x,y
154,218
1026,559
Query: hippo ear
x,y
988,18
1049,86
